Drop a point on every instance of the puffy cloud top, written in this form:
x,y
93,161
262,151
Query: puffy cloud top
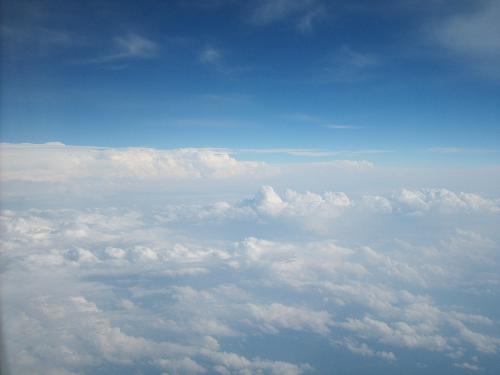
x,y
57,162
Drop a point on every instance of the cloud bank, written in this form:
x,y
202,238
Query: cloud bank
x,y
255,282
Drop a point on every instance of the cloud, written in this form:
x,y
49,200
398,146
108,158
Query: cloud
x,y
444,201
267,202
181,366
398,334
335,126
229,99
56,162
348,64
307,210
319,213
280,316
96,341
128,47
473,36
467,366
42,38
141,284
31,30
122,287
214,57
455,150
135,46
305,152
210,55
307,22
365,351
304,117
304,13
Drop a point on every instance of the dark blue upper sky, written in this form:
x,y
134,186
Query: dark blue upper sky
x,y
365,76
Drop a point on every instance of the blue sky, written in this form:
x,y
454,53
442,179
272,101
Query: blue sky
x,y
418,79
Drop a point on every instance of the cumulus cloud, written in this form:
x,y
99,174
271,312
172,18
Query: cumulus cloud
x,y
278,315
57,162
323,213
467,366
365,299
194,287
268,202
365,351
444,201
399,333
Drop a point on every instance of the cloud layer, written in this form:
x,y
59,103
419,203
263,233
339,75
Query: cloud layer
x,y
57,162
252,283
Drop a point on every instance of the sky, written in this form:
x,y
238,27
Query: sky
x,y
275,187
420,79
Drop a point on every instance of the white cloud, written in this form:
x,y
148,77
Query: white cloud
x,y
467,366
385,288
398,333
445,201
268,203
276,316
135,46
181,366
194,286
56,162
365,351
319,213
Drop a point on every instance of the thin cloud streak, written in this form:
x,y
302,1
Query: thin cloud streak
x,y
129,47
309,152
455,150
335,126
304,14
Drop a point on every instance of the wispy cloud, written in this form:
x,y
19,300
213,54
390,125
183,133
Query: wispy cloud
x,y
307,22
315,120
347,56
303,117
455,150
41,36
135,46
338,126
210,55
127,47
313,153
214,58
37,40
226,98
348,64
475,36
467,366
303,13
